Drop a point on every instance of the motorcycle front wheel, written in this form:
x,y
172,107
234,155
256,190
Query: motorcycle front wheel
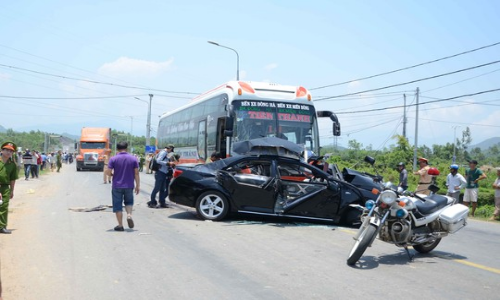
x,y
427,247
363,241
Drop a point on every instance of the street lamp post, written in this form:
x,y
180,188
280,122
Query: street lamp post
x,y
455,141
237,57
148,124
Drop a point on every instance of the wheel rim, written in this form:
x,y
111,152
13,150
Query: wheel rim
x,y
429,244
358,241
211,206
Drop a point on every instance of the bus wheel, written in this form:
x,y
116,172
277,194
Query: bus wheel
x,y
212,205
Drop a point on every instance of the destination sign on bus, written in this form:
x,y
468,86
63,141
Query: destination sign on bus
x,y
261,110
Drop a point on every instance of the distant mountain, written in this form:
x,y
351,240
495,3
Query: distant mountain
x,y
71,136
485,145
2,129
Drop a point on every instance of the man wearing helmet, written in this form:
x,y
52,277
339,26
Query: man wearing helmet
x,y
403,176
455,182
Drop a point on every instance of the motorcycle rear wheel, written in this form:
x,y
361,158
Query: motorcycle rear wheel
x,y
427,247
363,241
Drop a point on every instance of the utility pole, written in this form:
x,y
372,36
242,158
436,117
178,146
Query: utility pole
x,y
45,144
404,116
148,125
416,136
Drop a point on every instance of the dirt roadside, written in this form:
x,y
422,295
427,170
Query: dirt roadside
x,y
15,246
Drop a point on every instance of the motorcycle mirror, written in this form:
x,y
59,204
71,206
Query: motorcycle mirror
x,y
369,160
433,188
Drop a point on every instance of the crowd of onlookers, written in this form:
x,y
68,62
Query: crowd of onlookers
x,y
32,162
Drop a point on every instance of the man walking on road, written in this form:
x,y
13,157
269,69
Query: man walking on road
x,y
124,170
8,176
27,157
59,160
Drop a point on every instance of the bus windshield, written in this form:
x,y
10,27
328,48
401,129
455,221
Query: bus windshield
x,y
293,122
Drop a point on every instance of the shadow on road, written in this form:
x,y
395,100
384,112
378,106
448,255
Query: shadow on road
x,y
401,258
246,220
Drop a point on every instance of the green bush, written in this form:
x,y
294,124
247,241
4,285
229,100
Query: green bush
x,y
485,211
486,197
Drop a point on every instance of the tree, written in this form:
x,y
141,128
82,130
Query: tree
x,y
463,145
477,154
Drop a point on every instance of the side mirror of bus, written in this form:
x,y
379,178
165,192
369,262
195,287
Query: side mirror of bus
x,y
336,129
229,124
228,133
333,117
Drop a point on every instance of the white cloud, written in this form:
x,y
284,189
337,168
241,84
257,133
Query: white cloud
x,y
270,67
125,66
5,76
354,84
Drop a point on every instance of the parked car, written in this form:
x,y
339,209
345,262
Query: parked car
x,y
271,185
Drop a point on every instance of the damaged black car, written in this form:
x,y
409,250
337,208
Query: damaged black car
x,y
265,184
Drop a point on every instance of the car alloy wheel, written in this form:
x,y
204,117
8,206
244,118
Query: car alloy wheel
x,y
212,205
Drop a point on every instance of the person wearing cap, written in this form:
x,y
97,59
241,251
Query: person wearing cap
x,y
424,178
403,176
8,176
162,177
455,182
496,186
473,175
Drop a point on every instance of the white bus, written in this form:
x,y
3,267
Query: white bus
x,y
239,111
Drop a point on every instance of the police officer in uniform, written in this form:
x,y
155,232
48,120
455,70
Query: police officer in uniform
x,y
8,176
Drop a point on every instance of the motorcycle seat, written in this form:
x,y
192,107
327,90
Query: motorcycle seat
x,y
431,204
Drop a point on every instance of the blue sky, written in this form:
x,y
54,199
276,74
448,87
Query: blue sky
x,y
162,45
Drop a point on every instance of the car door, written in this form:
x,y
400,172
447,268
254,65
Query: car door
x,y
306,191
251,185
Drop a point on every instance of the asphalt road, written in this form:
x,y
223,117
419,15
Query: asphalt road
x,y
57,253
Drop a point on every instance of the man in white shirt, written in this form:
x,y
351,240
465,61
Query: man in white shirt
x,y
455,182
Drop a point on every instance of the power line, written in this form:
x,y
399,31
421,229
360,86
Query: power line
x,y
410,67
377,95
69,98
465,124
97,82
413,81
53,61
428,102
467,79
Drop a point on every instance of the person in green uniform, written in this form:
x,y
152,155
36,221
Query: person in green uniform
x,y
59,160
142,160
8,176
